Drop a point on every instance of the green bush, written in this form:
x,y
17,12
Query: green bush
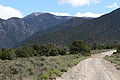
x,y
48,50
94,46
62,52
7,54
54,53
118,67
25,52
74,62
79,46
64,69
75,52
52,76
58,73
36,47
45,50
44,77
35,50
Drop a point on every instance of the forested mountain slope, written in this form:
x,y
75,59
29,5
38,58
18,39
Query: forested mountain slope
x,y
63,26
15,30
103,30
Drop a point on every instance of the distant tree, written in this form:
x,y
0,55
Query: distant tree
x,y
46,50
95,46
118,49
7,54
35,50
3,49
36,47
101,47
54,52
62,52
24,52
79,46
108,47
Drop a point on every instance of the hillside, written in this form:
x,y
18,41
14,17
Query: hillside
x,y
103,30
42,21
12,31
63,26
15,30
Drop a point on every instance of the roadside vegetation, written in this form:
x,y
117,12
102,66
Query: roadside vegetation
x,y
42,62
99,51
38,68
115,58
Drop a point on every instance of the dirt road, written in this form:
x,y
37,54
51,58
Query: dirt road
x,y
94,68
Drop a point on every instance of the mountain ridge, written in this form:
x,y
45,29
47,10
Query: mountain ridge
x,y
103,31
14,30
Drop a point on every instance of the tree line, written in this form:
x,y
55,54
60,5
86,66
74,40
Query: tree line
x,y
77,47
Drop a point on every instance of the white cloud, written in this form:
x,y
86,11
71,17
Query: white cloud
x,y
88,14
114,5
79,14
8,12
60,14
76,3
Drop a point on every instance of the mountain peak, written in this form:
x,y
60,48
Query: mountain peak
x,y
37,13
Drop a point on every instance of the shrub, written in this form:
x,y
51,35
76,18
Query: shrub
x,y
45,50
58,73
79,46
75,52
52,76
64,69
25,52
35,53
118,67
7,54
36,50
74,62
48,50
42,58
36,47
94,46
14,69
44,77
62,52
54,52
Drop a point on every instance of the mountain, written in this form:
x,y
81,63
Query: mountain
x,y
103,30
42,21
12,31
15,29
63,26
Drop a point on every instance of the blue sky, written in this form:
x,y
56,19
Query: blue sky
x,y
88,8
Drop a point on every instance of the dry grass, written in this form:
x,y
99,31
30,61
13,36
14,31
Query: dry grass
x,y
114,58
37,68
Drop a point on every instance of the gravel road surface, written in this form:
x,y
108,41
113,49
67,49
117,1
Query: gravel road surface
x,y
94,68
